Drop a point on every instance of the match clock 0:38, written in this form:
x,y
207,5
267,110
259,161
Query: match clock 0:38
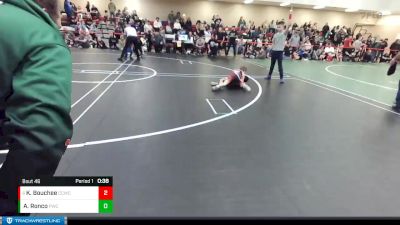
x,y
103,181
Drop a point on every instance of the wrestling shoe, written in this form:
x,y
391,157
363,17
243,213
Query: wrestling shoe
x,y
213,83
268,78
282,81
247,88
216,88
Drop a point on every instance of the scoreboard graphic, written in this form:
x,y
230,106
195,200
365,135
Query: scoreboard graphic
x,y
63,195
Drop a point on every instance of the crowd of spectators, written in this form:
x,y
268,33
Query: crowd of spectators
x,y
178,34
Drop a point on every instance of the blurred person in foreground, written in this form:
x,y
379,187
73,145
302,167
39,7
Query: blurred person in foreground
x,y
35,94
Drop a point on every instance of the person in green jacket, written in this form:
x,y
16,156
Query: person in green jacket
x,y
35,94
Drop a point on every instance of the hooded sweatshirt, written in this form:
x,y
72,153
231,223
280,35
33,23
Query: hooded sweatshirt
x,y
35,88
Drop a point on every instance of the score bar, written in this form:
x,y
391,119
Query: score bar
x,y
78,195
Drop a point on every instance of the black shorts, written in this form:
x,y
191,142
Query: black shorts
x,y
236,83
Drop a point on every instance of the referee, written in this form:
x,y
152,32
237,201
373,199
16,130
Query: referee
x,y
131,38
35,94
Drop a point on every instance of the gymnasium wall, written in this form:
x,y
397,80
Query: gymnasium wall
x,y
230,13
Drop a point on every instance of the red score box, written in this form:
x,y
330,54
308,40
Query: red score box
x,y
106,193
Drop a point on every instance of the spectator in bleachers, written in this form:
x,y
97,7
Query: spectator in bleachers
x,y
385,56
272,27
261,53
125,15
368,56
134,14
348,44
168,29
259,44
88,7
213,46
395,48
325,29
241,45
149,40
370,42
178,17
93,30
300,38
94,12
118,13
357,45
250,52
158,42
217,21
68,9
207,33
294,41
189,44
264,27
198,25
318,39
351,55
348,29
221,38
339,53
69,36
188,25
329,53
375,52
200,46
333,33
79,14
147,27
252,28
169,42
358,35
84,40
381,46
242,23
113,42
204,30
179,45
171,18
112,9
157,25
94,8
300,54
339,37
232,36
307,47
177,26
317,52
118,31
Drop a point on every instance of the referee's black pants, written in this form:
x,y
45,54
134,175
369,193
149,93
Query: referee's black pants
x,y
276,56
129,41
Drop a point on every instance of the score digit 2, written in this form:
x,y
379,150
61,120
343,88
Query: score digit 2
x,y
106,193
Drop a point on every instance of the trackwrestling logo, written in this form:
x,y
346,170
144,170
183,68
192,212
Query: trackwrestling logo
x,y
34,220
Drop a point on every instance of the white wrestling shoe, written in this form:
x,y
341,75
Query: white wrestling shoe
x,y
246,88
213,83
215,88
